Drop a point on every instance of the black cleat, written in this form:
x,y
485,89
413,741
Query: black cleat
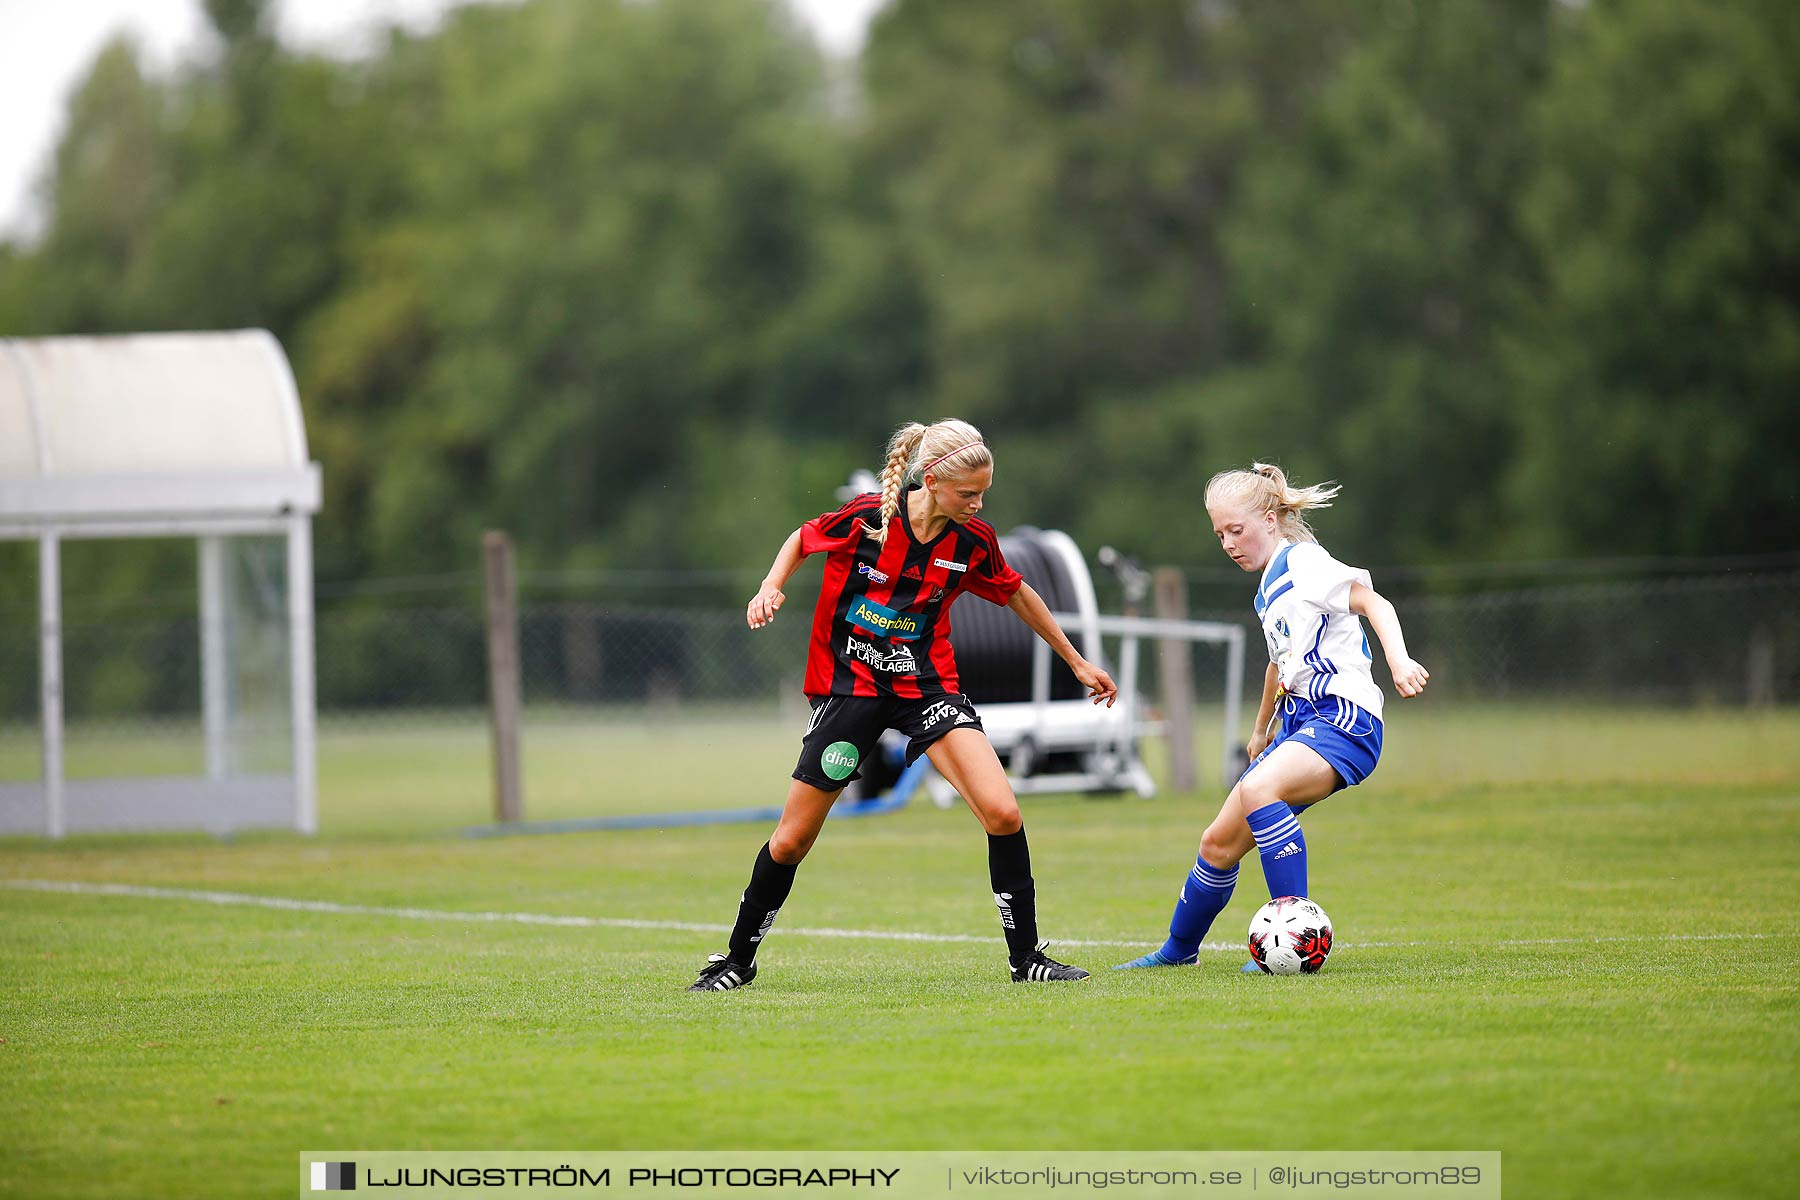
x,y
1039,967
721,974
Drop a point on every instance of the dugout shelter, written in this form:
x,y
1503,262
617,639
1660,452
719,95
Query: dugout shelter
x,y
186,436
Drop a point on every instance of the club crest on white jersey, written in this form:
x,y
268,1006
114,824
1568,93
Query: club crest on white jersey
x,y
1316,643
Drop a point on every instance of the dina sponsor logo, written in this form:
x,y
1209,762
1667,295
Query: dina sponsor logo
x,y
879,618
839,760
898,661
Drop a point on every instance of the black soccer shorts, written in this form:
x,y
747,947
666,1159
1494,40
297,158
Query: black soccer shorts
x,y
844,729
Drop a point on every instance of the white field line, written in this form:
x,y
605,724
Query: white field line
x,y
285,904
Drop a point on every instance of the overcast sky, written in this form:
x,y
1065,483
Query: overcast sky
x,y
46,46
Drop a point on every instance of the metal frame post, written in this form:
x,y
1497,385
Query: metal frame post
x,y
303,697
50,679
214,683
1234,696
1040,692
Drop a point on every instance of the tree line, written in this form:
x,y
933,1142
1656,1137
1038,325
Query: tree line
x,y
642,280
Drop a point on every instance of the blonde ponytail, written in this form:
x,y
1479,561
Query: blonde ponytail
x,y
1265,488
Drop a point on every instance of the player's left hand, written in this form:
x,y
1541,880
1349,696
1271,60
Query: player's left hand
x,y
1409,677
1099,684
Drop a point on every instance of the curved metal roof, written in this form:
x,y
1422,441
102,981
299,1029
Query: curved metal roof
x,y
154,426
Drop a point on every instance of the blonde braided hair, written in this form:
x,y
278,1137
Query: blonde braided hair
x,y
951,448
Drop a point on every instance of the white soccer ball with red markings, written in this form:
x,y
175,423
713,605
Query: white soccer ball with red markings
x,y
1290,935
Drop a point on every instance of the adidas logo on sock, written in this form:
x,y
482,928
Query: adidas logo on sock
x,y
1291,848
1003,901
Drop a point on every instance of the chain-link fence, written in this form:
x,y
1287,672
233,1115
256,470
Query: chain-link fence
x,y
1731,638
391,661
1714,639
663,670
1721,639
399,658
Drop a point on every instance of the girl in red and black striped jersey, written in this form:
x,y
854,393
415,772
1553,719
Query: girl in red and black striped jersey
x,y
880,658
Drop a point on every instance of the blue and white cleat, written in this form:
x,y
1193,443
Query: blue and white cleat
x,y
1156,958
1250,968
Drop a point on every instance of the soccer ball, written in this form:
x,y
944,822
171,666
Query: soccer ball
x,y
1290,935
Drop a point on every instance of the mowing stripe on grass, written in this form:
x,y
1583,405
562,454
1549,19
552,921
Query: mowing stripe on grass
x,y
247,900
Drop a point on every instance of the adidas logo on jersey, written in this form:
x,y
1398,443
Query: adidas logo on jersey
x,y
912,572
1310,732
1288,851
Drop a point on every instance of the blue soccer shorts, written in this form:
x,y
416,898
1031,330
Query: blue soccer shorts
x,y
1344,735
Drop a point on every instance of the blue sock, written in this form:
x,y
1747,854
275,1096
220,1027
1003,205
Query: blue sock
x,y
1204,895
1283,849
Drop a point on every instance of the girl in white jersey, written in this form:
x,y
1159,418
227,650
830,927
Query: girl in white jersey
x,y
1318,683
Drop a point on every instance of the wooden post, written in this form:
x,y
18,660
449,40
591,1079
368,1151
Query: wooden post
x,y
1175,665
503,674
1761,692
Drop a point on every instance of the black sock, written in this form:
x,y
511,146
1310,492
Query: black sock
x,y
770,883
1009,870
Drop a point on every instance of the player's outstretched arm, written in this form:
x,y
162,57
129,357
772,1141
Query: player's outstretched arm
x,y
1410,678
1034,612
769,597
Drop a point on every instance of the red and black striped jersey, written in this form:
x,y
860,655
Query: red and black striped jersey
x,y
882,624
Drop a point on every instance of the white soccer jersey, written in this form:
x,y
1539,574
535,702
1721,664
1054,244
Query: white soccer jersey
x,y
1316,643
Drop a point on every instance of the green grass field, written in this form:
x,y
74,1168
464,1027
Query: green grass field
x,y
1570,940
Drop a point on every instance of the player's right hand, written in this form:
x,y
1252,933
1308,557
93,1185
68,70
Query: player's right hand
x,y
764,605
1259,741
